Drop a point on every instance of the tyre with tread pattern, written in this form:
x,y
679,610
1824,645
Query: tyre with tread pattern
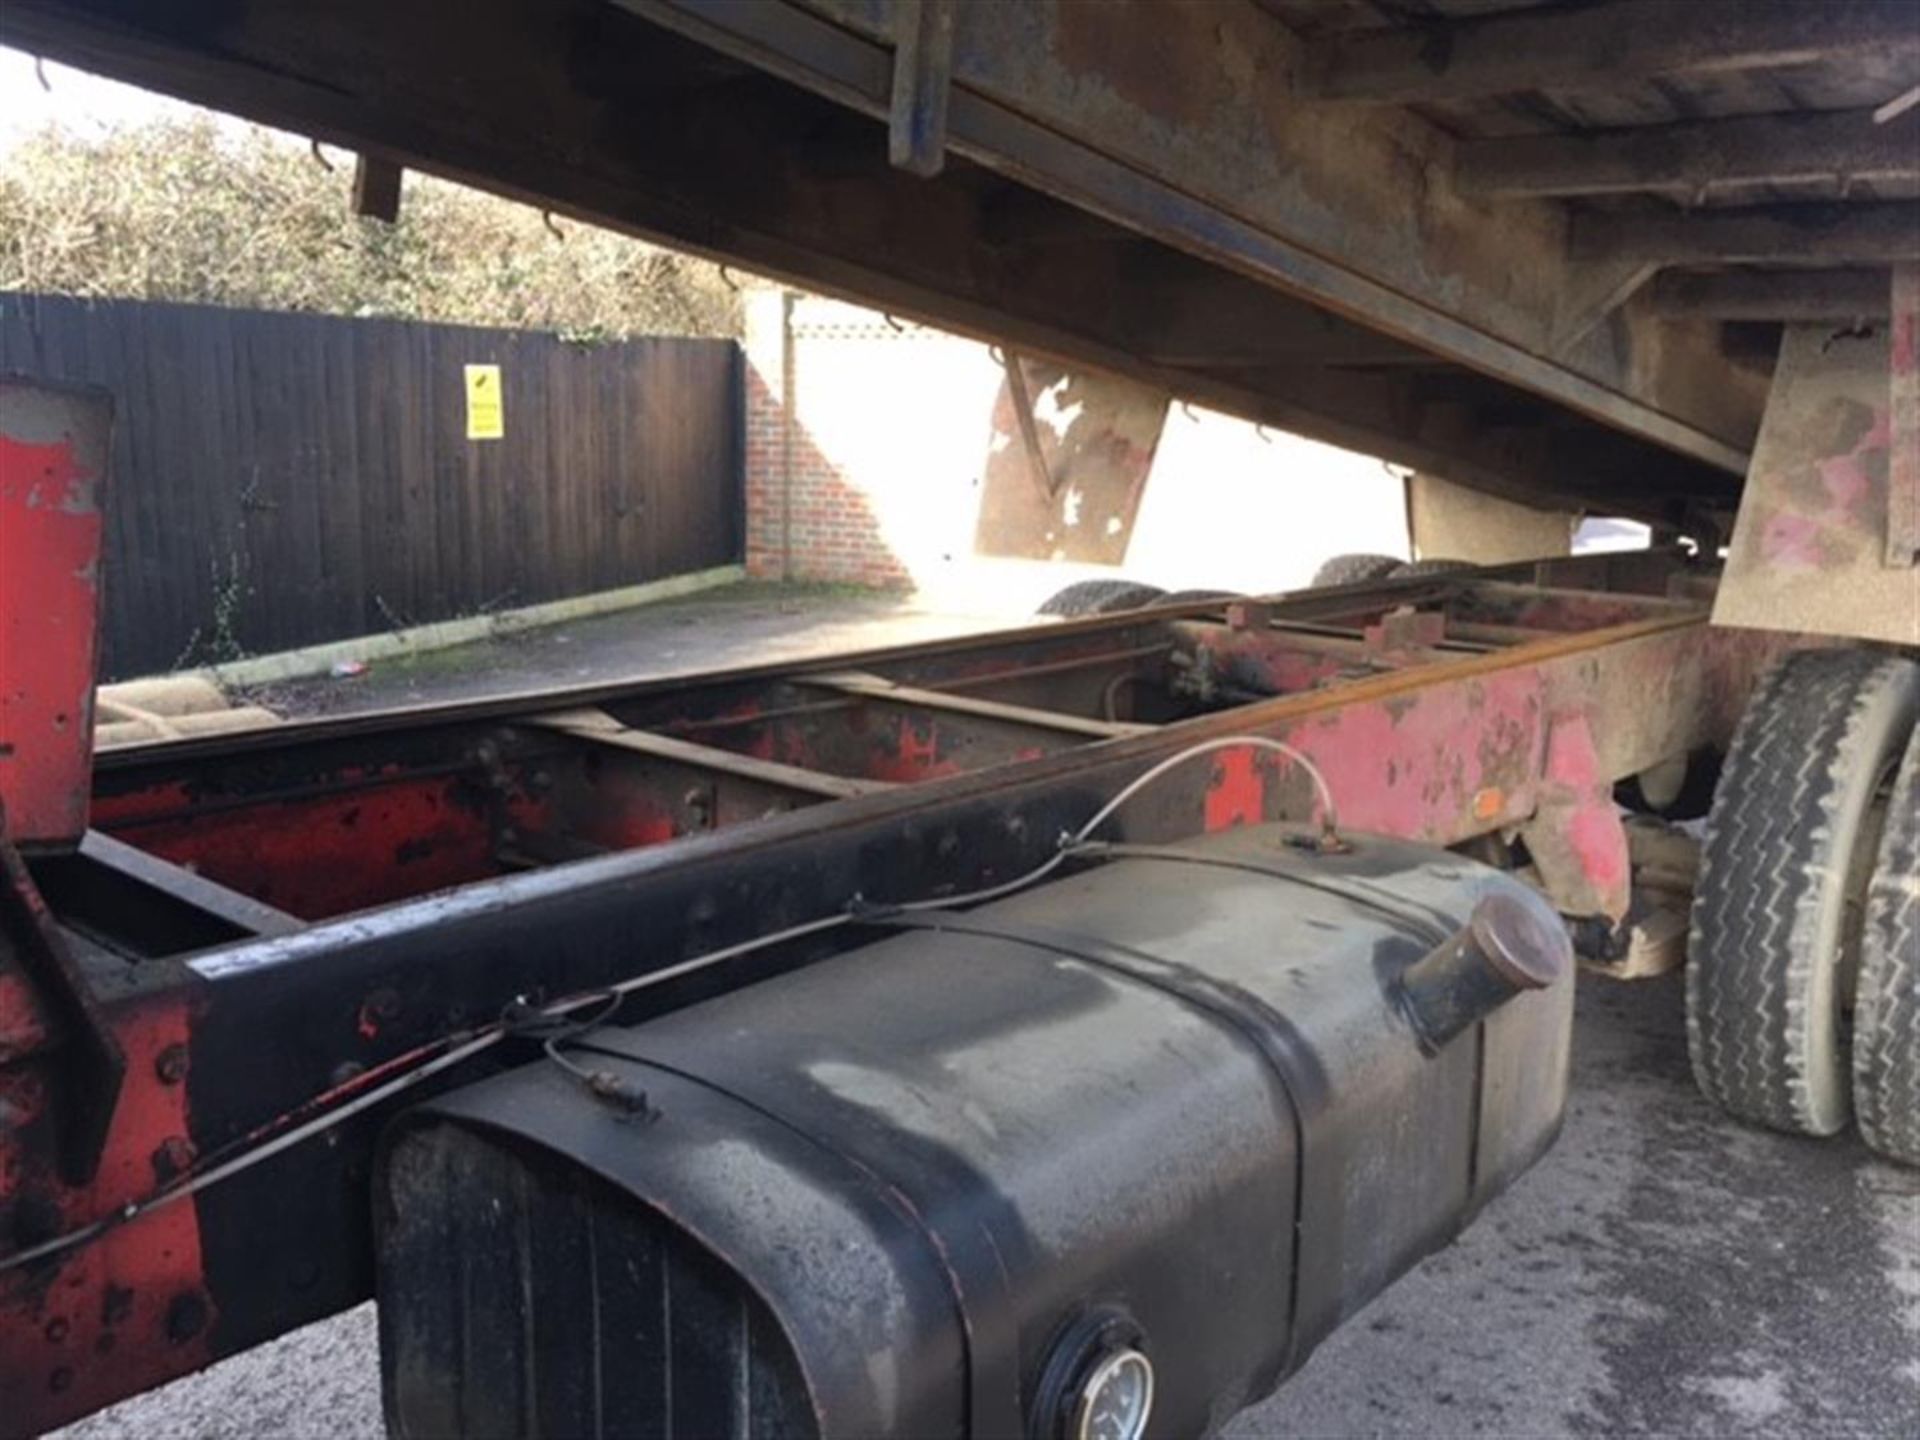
x,y
1194,597
1886,1011
1100,597
1354,569
1777,907
1413,569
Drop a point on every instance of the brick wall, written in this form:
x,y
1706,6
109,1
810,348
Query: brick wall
x,y
863,443
765,378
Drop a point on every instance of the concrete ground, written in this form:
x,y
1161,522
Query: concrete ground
x,y
1661,1272
745,624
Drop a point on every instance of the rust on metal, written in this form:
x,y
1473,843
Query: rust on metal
x,y
1575,836
1067,463
1810,546
1405,628
106,1321
1903,459
922,65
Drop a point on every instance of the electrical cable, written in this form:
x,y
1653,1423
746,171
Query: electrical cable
x,y
199,1180
543,1022
1329,816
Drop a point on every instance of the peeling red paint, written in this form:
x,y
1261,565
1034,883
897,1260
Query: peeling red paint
x,y
1398,767
321,855
111,1318
1791,541
1600,843
1577,841
49,597
1846,480
1237,795
910,753
24,1026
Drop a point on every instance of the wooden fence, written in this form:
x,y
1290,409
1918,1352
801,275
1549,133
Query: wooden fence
x,y
280,480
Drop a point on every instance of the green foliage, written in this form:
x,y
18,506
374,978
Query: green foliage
x,y
187,211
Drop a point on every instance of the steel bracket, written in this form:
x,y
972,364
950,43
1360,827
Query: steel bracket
x,y
1575,836
47,1007
1903,458
1405,628
922,79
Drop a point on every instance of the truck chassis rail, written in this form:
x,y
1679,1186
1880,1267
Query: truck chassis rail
x,y
269,922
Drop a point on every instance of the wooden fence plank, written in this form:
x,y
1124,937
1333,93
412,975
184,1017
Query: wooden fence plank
x,y
322,466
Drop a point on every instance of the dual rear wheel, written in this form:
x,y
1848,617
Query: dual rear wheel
x,y
1358,569
1803,981
1106,597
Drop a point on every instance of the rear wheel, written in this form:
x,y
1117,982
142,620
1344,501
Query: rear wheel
x,y
1354,569
1194,597
1777,909
1414,568
1100,597
1886,1014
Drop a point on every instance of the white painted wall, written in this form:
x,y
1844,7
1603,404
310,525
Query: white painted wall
x,y
903,415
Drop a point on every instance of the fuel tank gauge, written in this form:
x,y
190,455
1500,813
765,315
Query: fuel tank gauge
x,y
1116,1399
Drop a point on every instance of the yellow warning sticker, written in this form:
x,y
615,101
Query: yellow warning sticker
x,y
486,418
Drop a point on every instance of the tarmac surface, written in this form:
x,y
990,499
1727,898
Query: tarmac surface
x,y
1662,1271
745,624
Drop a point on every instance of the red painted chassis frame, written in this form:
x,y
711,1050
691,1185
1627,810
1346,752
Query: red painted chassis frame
x,y
1488,706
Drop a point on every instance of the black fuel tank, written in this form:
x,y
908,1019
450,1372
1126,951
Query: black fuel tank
x,y
1121,1148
